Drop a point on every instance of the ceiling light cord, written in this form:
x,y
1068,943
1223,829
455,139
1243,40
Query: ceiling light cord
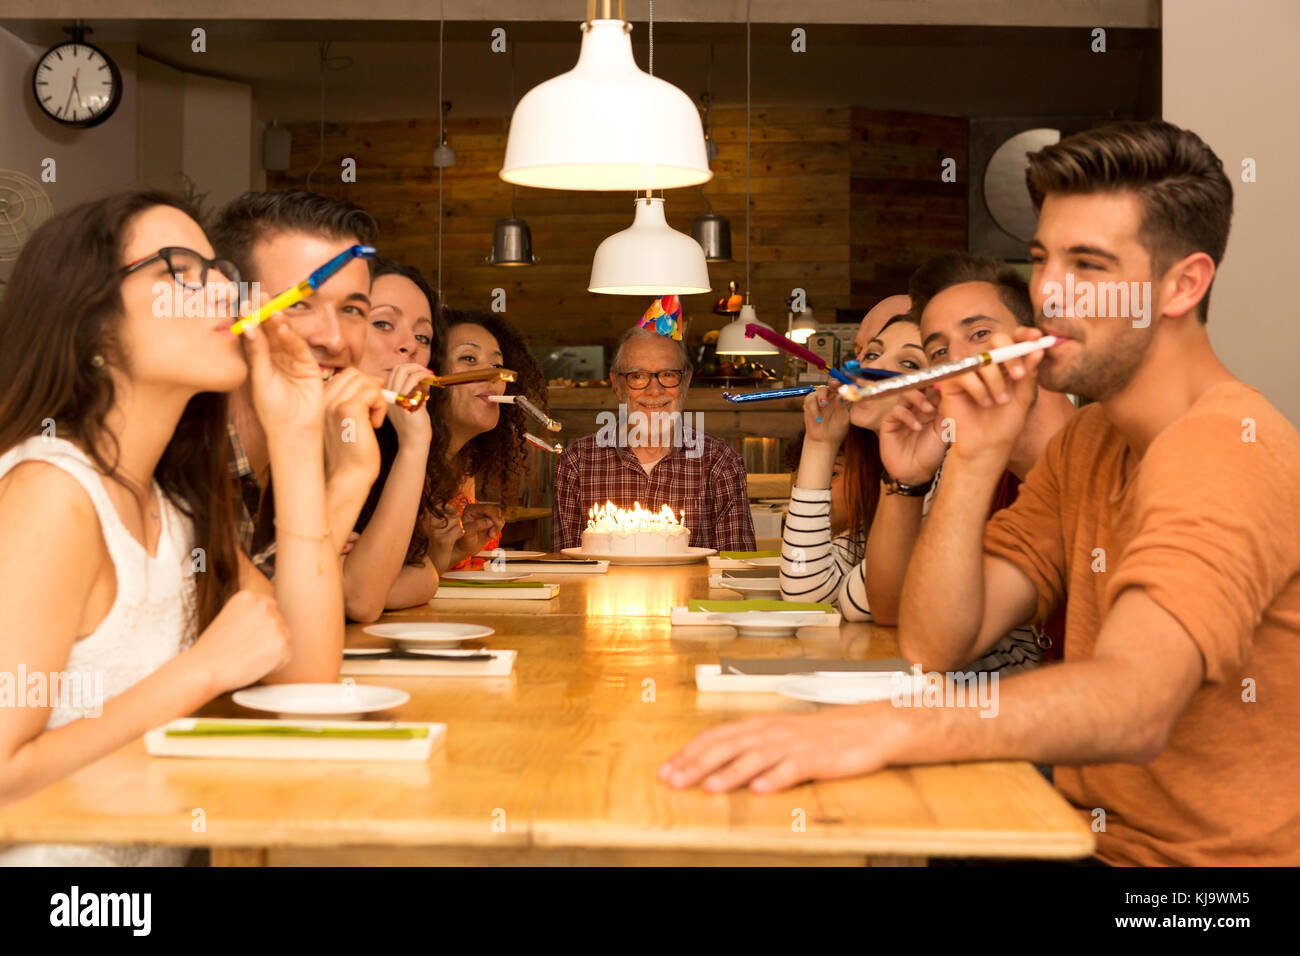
x,y
442,131
512,113
650,31
323,51
748,78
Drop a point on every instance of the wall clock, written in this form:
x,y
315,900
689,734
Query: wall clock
x,y
77,84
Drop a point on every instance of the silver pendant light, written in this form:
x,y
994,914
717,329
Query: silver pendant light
x,y
443,154
512,240
711,231
512,243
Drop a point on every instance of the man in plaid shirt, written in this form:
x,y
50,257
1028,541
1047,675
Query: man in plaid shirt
x,y
700,477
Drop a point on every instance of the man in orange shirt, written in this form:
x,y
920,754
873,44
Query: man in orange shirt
x,y
1168,511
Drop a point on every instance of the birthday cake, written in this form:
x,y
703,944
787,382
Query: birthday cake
x,y
634,531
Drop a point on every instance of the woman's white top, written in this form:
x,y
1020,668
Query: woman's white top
x,y
148,625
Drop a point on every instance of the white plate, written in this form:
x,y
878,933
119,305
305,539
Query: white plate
x,y
768,623
366,651
484,575
755,585
690,557
340,701
429,633
511,555
763,562
838,690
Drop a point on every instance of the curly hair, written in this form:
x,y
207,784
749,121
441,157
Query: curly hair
x,y
496,459
386,435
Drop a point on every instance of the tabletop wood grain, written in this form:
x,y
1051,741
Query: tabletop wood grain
x,y
556,763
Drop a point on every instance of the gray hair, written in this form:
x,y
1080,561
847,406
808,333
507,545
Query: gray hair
x,y
638,332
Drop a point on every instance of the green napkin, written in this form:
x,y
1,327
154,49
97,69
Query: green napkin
x,y
491,584
756,604
216,728
748,555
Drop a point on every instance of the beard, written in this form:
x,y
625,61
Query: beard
x,y
1095,376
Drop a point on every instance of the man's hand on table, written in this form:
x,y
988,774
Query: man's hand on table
x,y
775,753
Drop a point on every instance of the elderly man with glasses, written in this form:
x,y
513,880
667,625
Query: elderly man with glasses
x,y
654,457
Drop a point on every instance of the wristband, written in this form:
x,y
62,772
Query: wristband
x,y
895,487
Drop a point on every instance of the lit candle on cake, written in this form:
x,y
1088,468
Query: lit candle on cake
x,y
636,530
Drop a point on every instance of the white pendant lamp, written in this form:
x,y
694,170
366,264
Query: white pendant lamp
x,y
649,258
733,341
802,326
606,124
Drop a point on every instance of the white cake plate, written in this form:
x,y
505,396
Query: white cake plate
x,y
690,557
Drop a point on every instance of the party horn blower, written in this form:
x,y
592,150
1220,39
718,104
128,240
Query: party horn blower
x,y
528,407
812,358
303,289
937,373
555,448
793,391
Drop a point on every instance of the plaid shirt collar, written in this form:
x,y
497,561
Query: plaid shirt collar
x,y
249,498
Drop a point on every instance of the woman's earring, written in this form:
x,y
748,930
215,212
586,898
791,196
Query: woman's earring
x,y
97,361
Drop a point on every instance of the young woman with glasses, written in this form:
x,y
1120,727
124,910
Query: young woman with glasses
x,y
120,579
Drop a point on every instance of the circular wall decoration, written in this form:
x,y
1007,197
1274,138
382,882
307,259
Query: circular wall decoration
x,y
1004,182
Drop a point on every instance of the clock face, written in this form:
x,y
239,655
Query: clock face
x,y
77,85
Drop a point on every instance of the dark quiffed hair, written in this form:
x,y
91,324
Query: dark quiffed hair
x,y
435,468
1186,196
253,216
953,268
497,459
62,307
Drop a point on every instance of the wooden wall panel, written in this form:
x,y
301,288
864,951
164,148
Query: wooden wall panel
x,y
835,195
901,211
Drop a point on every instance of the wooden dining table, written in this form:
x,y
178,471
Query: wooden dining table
x,y
556,763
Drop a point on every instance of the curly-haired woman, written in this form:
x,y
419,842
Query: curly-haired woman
x,y
486,450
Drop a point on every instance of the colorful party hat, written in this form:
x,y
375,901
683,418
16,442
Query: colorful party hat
x,y
664,316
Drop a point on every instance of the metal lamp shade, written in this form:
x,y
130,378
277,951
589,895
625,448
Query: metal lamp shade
x,y
713,233
444,156
512,243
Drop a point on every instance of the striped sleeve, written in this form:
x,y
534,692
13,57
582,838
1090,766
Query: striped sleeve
x,y
815,567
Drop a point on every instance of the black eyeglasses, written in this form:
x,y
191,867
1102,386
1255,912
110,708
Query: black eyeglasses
x,y
639,378
189,268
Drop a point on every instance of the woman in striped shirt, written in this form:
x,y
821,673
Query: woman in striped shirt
x,y
838,484
836,491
